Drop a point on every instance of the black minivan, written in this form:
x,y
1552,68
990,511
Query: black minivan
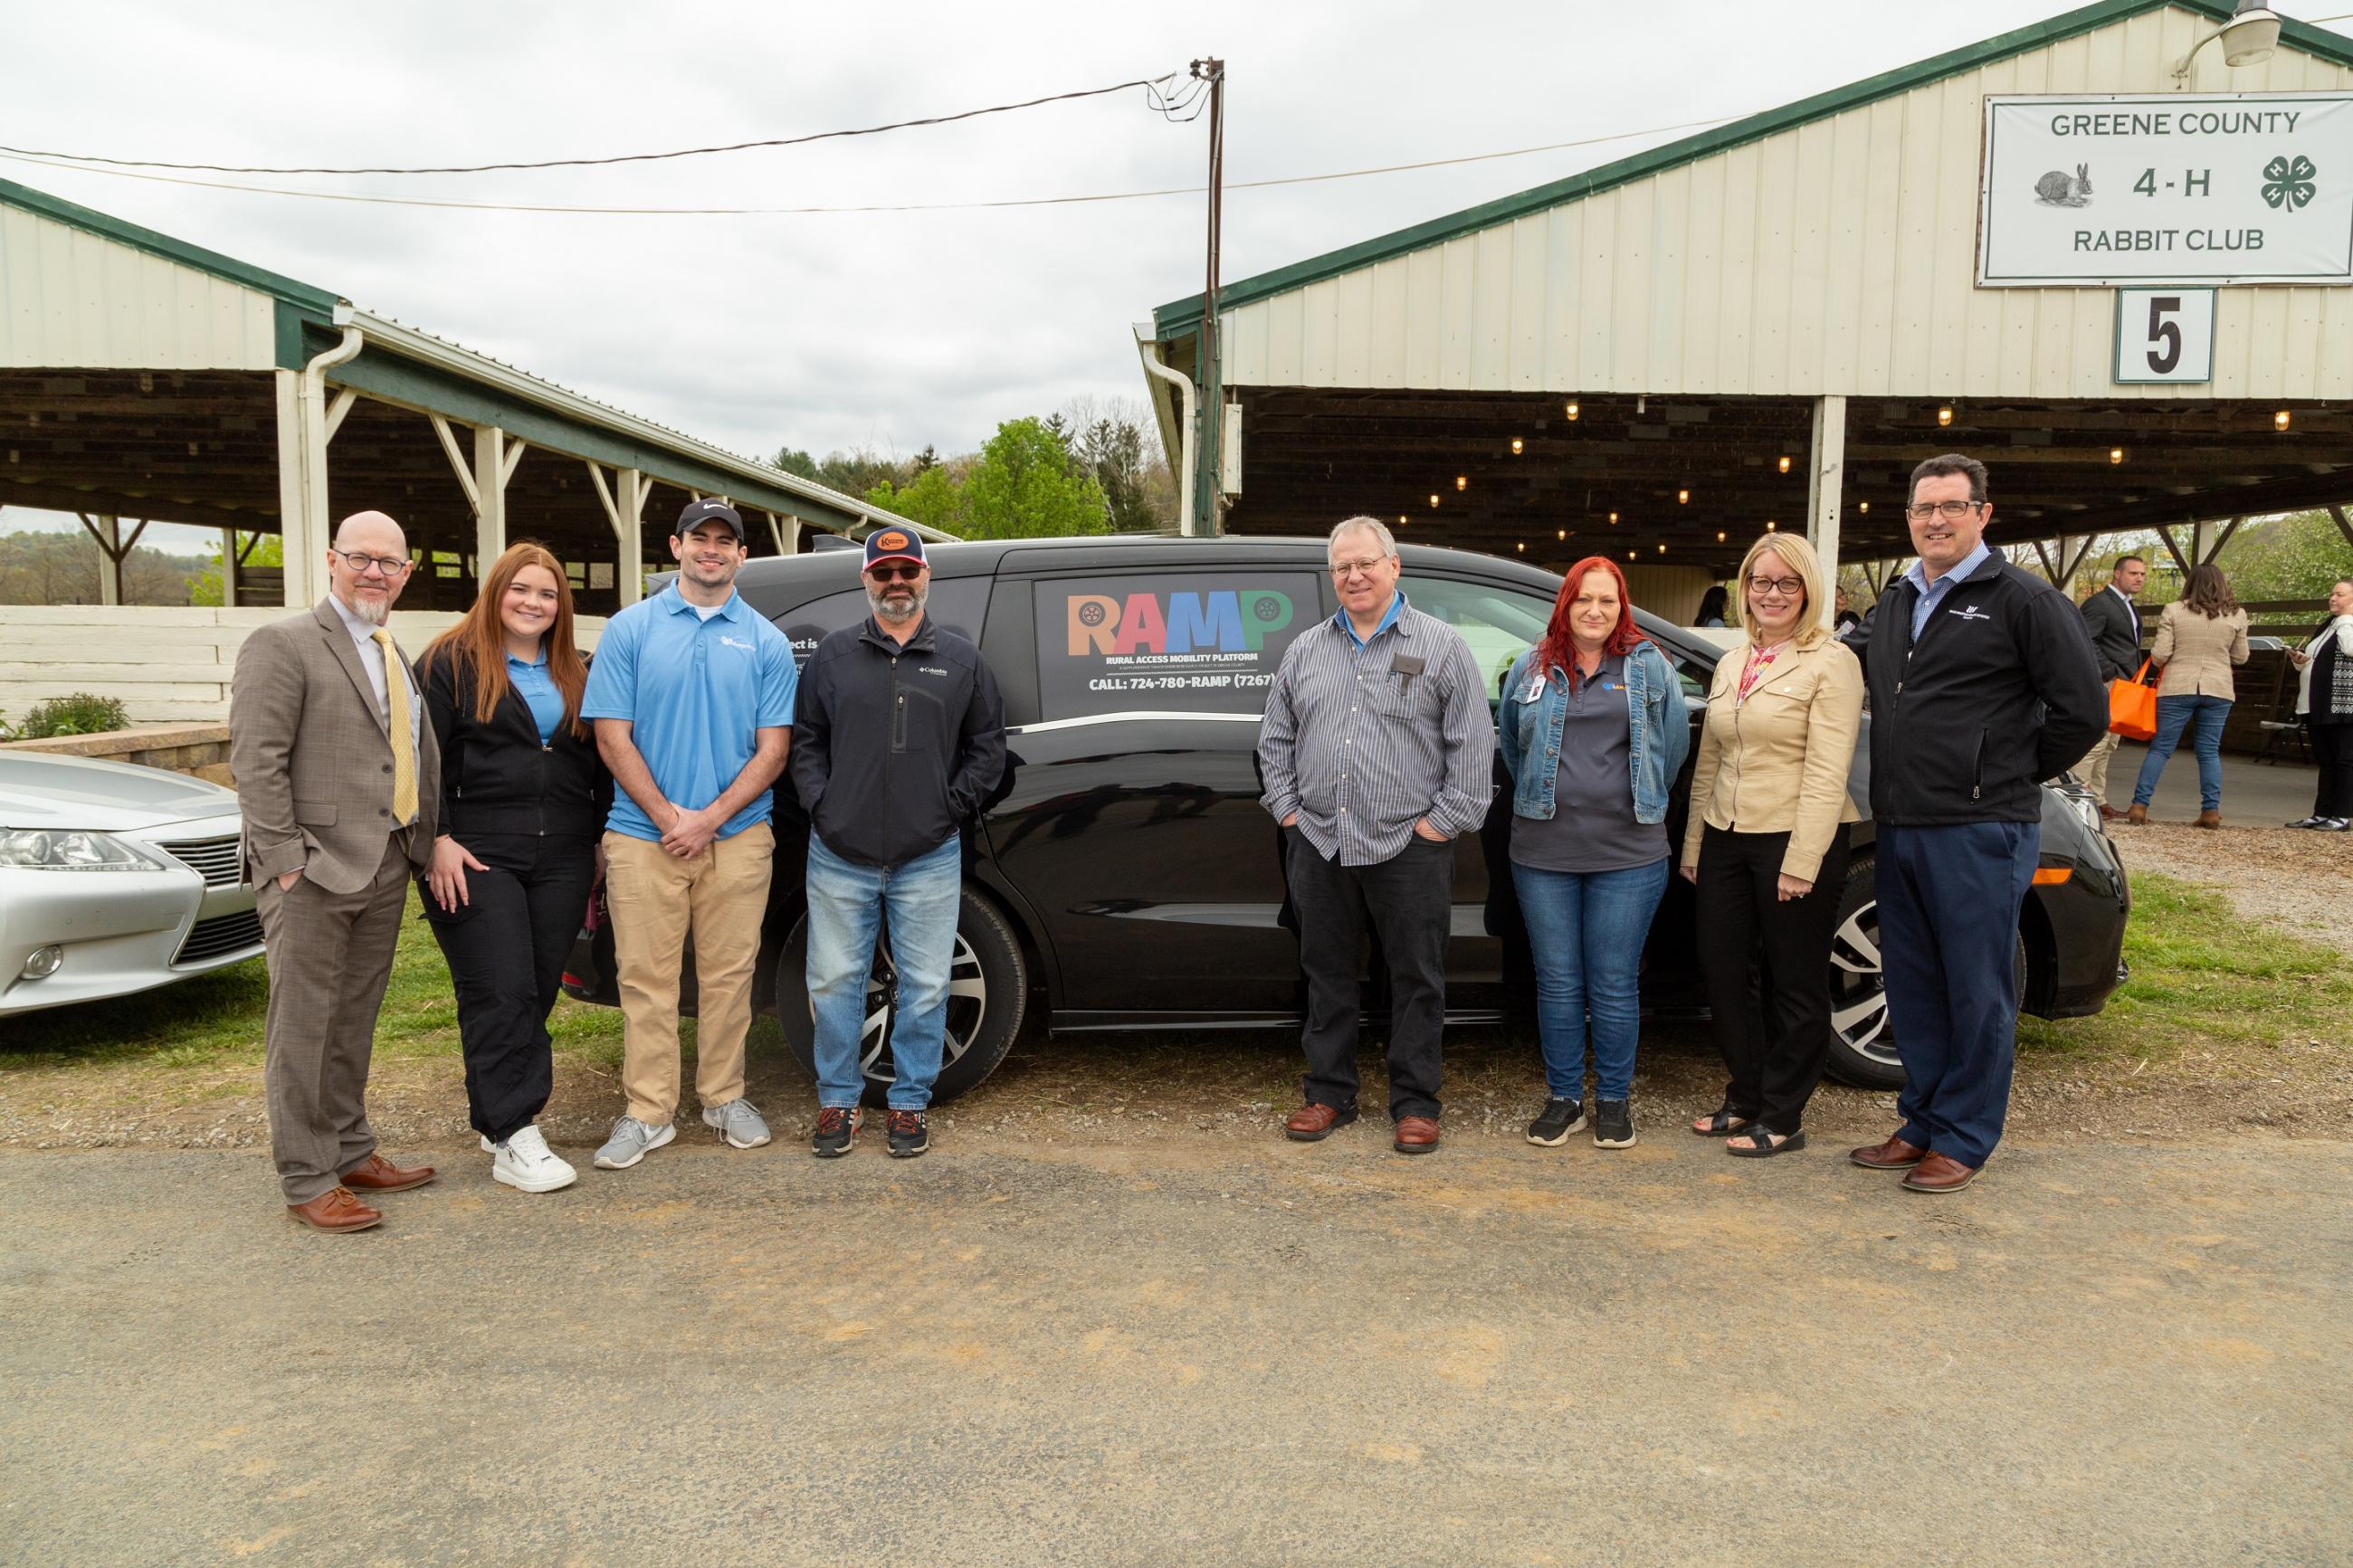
x,y
1126,876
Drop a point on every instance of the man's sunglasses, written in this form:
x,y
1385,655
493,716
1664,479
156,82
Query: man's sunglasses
x,y
895,571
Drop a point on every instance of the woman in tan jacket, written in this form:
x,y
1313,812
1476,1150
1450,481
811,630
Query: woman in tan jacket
x,y
1766,844
2200,637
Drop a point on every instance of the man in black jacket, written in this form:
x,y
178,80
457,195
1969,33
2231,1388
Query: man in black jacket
x,y
2114,625
1983,684
898,741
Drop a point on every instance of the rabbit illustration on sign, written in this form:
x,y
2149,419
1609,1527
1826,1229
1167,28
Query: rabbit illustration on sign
x,y
2059,189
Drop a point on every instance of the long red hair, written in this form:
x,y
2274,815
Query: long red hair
x,y
1558,650
477,646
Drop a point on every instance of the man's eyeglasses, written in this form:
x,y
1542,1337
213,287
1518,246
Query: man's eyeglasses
x,y
390,565
1343,568
895,571
1787,587
1950,511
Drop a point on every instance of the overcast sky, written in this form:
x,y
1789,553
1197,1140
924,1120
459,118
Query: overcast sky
x,y
891,330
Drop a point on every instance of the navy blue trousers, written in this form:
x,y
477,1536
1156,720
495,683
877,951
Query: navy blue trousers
x,y
1948,903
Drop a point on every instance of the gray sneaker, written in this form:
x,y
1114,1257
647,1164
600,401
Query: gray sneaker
x,y
737,1122
631,1142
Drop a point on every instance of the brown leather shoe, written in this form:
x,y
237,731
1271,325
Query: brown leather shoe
x,y
1893,1156
1312,1122
377,1174
335,1209
1940,1174
2109,813
1416,1134
2136,816
2209,819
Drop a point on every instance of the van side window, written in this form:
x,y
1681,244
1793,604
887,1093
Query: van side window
x,y
1499,623
1186,642
958,603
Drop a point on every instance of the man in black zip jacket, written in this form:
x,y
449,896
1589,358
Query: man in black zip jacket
x,y
1983,684
898,741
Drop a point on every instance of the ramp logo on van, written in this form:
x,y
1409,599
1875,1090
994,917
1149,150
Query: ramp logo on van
x,y
1192,641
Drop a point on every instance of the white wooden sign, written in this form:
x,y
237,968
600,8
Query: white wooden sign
x,y
2164,335
2206,188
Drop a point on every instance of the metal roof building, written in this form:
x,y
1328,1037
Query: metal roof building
x,y
1768,324
146,378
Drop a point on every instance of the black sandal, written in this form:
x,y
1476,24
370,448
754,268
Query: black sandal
x,y
1724,1123
1789,1144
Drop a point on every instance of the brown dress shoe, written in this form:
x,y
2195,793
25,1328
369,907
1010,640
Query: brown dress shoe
x,y
1940,1174
2209,819
1312,1122
377,1174
2109,813
335,1209
1893,1156
2136,816
1416,1134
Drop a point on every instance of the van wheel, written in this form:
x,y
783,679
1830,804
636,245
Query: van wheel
x,y
989,986
1863,1044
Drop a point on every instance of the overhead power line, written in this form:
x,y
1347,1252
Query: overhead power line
x,y
870,207
1161,101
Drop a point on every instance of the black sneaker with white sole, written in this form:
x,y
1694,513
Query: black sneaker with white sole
x,y
1552,1125
1613,1124
837,1129
909,1135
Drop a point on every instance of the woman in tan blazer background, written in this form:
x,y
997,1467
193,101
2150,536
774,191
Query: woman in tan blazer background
x,y
1766,844
2201,636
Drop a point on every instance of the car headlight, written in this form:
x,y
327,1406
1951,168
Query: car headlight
x,y
41,849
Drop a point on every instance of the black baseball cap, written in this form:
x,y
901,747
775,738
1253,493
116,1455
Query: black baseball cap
x,y
700,513
895,542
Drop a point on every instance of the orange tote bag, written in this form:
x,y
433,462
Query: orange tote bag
x,y
2132,706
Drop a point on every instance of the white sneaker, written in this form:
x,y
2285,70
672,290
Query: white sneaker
x,y
526,1164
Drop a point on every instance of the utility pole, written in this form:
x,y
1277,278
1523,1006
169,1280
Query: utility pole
x,y
1208,488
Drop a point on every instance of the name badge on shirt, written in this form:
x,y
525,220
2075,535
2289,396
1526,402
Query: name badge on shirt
x,y
1535,693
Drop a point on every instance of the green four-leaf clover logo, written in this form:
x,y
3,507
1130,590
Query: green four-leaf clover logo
x,y
2287,183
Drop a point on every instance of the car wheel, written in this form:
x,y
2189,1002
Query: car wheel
x,y
1863,1043
989,986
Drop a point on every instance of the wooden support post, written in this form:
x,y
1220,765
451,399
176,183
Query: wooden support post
x,y
1825,493
2224,538
491,471
2050,567
302,529
2165,534
105,528
624,500
2343,526
229,568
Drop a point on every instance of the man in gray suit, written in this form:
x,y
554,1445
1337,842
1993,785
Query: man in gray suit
x,y
339,781
2114,625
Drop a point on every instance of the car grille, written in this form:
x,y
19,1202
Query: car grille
x,y
217,860
211,938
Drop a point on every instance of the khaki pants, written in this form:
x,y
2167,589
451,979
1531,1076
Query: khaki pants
x,y
655,899
2094,769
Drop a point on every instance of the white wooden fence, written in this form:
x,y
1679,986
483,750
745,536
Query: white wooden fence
x,y
163,664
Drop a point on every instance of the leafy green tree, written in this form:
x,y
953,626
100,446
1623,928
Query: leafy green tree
x,y
1023,488
2292,557
205,587
932,499
795,461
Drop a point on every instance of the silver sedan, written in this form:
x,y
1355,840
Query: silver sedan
x,y
114,878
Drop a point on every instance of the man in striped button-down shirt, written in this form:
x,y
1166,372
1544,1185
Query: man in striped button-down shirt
x,y
1378,752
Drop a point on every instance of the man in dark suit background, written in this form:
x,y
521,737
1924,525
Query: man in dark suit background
x,y
2114,625
339,781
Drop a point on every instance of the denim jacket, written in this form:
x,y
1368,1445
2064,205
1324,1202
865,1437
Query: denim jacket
x,y
1658,740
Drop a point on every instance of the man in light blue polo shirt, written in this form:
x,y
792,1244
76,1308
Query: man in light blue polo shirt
x,y
692,693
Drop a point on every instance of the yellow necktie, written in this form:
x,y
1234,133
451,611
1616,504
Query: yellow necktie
x,y
403,743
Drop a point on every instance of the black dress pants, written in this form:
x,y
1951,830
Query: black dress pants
x,y
1410,899
506,947
1775,1045
2332,748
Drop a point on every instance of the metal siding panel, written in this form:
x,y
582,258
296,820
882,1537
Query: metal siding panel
x,y
1527,317
1391,286
1737,278
1243,344
18,320
1285,326
1831,359
1491,310
1319,355
1703,357
1457,296
1630,288
1875,309
1594,304
1354,329
1979,372
1813,194
1424,277
54,287
1671,213
1563,285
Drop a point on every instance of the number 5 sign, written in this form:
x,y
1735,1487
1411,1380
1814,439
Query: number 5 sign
x,y
2164,335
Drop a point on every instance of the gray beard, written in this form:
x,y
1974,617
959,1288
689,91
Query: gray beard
x,y
893,613
373,611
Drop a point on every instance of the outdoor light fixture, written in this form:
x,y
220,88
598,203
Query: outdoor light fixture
x,y
1864,507
1515,445
1771,526
1400,519
1631,554
1433,498
1682,498
1944,415
1614,520
1524,547
1662,550
1785,465
1562,535
2115,454
2279,420
1572,411
2248,39
1462,481
1719,536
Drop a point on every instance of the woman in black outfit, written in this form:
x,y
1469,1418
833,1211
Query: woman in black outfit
x,y
2324,700
523,796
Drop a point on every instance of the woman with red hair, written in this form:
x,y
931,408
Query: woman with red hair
x,y
524,795
1594,731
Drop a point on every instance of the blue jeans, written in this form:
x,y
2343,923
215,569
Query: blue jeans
x,y
846,902
2173,716
1586,930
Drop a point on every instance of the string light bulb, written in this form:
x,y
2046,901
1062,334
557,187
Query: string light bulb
x,y
2280,420
1771,526
1785,463
1572,411
1433,498
1662,550
1614,520
1462,481
1682,498
1516,445
1719,536
1562,535
1864,507
2115,454
1945,414
1524,547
